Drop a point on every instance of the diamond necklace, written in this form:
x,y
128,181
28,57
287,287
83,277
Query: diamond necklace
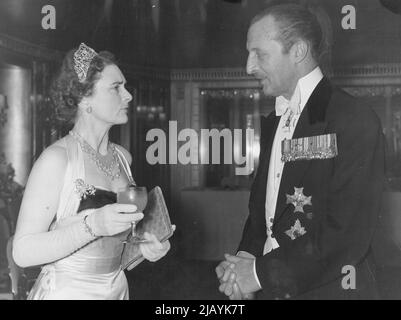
x,y
95,157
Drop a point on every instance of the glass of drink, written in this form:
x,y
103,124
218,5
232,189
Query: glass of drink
x,y
139,197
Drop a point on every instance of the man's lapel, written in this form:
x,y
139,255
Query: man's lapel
x,y
312,122
268,130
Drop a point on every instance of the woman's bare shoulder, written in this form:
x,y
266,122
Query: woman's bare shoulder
x,y
54,156
49,169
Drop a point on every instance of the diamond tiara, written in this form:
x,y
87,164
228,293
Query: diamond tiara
x,y
82,59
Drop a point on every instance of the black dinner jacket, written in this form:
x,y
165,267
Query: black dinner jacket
x,y
346,194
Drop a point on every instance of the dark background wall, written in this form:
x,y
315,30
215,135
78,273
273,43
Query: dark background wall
x,y
191,33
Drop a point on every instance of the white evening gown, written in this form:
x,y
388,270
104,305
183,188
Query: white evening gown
x,y
94,271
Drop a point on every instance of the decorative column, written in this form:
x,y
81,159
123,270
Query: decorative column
x,y
15,135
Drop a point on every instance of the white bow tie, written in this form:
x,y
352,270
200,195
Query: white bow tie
x,y
282,104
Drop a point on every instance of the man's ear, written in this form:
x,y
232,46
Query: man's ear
x,y
299,51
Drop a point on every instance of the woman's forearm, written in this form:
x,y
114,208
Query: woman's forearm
x,y
41,248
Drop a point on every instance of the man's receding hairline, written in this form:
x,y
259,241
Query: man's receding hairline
x,y
265,15
258,17
270,34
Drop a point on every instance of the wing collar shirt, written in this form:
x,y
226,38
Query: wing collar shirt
x,y
289,112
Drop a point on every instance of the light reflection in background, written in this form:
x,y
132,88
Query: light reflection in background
x,y
237,110
250,143
15,137
256,149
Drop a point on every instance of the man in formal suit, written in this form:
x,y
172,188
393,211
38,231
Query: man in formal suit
x,y
315,201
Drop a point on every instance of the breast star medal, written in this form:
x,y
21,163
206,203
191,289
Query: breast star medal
x,y
296,230
299,200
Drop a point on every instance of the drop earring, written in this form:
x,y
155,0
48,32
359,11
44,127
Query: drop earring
x,y
89,109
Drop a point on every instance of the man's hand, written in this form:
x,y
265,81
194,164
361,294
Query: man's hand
x,y
226,274
237,294
226,277
221,270
243,270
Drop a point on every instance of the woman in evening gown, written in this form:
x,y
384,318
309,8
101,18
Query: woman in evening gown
x,y
69,221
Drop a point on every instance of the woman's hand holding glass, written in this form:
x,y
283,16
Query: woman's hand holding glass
x,y
108,220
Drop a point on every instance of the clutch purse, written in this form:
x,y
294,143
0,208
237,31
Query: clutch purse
x,y
156,220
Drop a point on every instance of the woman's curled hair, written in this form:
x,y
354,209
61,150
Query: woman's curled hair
x,y
67,91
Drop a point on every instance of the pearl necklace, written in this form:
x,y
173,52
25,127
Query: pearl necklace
x,y
96,157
